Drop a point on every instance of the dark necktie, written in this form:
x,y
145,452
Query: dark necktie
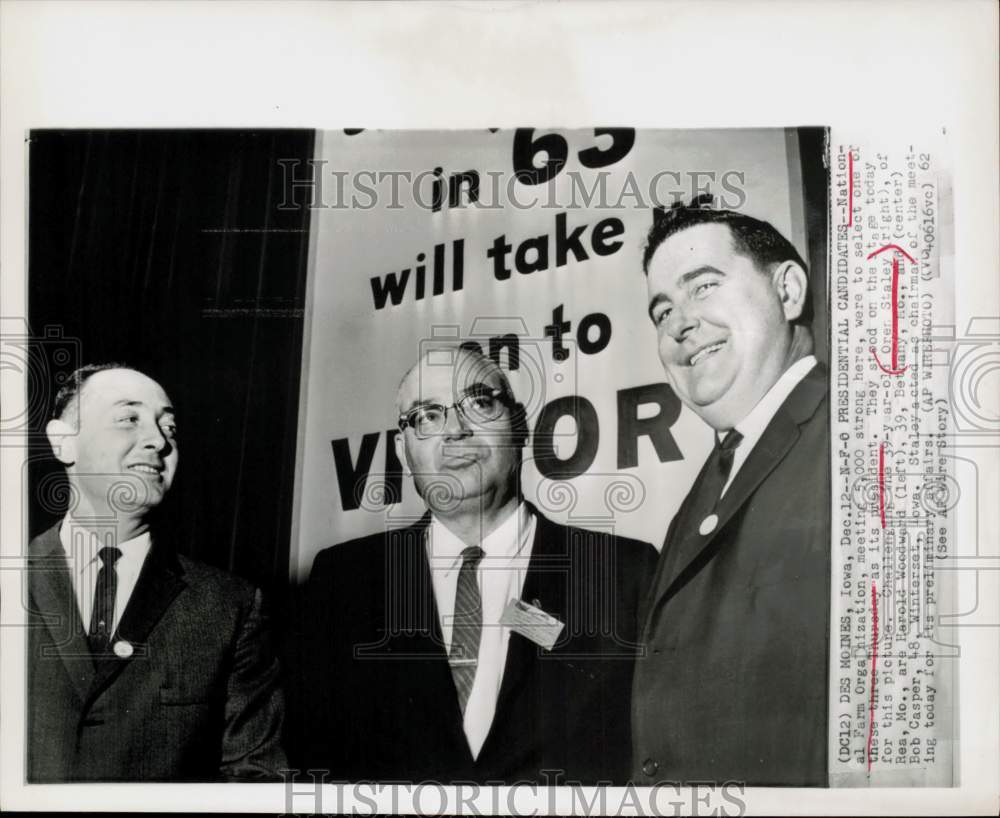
x,y
727,453
103,616
717,472
700,520
467,625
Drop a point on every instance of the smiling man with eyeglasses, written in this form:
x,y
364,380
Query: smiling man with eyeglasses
x,y
484,643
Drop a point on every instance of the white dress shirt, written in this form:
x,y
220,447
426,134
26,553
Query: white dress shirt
x,y
81,543
754,424
501,577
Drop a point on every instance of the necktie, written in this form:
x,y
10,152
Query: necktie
x,y
716,474
727,452
700,520
103,616
467,625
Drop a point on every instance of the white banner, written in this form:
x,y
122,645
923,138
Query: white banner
x,y
530,244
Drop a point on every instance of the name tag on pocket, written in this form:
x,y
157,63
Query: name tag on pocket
x,y
532,623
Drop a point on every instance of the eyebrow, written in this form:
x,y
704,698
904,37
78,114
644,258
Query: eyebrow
x,y
689,276
477,388
658,299
417,404
166,410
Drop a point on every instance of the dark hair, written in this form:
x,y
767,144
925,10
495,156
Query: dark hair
x,y
70,390
753,238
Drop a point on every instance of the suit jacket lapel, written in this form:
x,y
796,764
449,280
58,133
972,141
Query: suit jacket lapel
x,y
545,587
160,581
50,588
682,543
418,634
412,619
686,546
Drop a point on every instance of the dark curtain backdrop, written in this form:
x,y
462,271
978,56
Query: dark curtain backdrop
x,y
166,250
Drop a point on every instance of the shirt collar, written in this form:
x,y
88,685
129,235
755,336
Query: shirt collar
x,y
503,544
133,550
754,424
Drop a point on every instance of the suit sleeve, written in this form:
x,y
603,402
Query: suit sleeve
x,y
315,650
254,709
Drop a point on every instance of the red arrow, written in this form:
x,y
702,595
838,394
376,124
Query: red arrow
x,y
894,369
893,247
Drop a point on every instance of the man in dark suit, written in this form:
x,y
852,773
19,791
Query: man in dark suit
x,y
143,665
483,643
733,686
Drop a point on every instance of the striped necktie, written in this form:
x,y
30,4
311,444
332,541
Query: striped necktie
x,y
467,625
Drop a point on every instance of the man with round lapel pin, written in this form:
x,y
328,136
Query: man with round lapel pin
x,y
143,665
485,643
733,685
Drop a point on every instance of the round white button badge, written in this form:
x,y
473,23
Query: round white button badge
x,y
123,649
708,524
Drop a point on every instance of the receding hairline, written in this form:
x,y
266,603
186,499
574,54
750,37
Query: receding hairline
x,y
72,407
458,351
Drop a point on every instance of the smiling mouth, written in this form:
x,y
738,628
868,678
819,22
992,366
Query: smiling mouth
x,y
705,352
142,467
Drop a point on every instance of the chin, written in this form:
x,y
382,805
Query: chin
x,y
707,401
724,414
712,391
471,491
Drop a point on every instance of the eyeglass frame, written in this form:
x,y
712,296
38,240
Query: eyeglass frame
x,y
405,418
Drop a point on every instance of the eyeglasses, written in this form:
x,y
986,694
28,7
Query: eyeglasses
x,y
478,408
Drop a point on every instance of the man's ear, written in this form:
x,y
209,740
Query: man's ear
x,y
792,286
400,445
62,438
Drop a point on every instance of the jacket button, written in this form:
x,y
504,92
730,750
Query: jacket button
x,y
649,767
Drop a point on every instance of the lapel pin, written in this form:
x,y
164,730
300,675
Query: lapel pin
x,y
708,524
123,649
